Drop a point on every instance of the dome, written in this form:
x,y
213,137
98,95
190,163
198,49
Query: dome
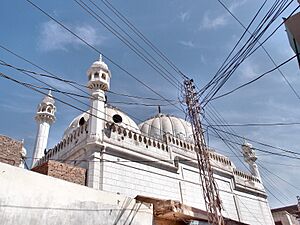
x,y
48,99
162,124
100,64
112,115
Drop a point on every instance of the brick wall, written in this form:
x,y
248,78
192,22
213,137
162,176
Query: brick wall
x,y
62,171
10,151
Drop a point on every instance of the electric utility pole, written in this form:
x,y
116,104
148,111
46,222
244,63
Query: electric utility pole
x,y
209,187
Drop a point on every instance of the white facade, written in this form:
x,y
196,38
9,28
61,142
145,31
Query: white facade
x,y
156,159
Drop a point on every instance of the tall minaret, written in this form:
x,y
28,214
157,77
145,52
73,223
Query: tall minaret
x,y
44,118
99,78
250,158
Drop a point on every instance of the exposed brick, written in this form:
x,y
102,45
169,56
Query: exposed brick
x,y
10,151
62,171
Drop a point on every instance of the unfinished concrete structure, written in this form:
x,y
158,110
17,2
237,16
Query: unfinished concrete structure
x,y
155,159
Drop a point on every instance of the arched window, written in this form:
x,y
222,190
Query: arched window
x,y
96,75
81,121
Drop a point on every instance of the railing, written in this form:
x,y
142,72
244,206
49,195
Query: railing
x,y
245,175
147,141
74,137
179,142
219,158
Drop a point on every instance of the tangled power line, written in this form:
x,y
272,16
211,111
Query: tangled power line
x,y
206,94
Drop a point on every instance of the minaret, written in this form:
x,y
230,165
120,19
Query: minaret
x,y
23,156
44,118
250,158
99,78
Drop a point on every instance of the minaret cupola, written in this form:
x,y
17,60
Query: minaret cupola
x,y
46,109
99,75
250,158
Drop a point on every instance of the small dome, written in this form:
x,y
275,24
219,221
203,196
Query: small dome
x,y
100,64
48,99
112,115
167,124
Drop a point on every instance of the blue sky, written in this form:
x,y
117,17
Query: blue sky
x,y
195,35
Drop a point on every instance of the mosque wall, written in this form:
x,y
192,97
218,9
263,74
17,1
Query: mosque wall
x,y
133,178
33,199
253,210
130,178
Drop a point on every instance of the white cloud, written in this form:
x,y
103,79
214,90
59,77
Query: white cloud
x,y
54,37
214,20
210,22
248,70
188,44
184,16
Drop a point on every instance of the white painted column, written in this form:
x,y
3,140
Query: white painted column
x,y
255,171
94,171
41,141
96,121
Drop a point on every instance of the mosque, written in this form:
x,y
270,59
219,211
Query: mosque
x,y
155,159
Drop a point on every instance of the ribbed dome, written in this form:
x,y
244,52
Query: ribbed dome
x,y
100,64
48,99
127,122
166,124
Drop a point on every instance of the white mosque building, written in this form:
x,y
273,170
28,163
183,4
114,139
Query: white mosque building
x,y
155,159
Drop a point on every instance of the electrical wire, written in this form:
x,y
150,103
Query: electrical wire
x,y
142,36
96,50
259,142
278,177
35,88
257,124
253,80
128,35
55,89
99,19
246,49
264,49
56,77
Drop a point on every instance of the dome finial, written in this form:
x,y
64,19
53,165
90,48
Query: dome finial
x,y
49,93
100,58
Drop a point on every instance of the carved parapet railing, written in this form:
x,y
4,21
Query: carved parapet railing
x,y
219,158
69,141
187,145
245,176
140,138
